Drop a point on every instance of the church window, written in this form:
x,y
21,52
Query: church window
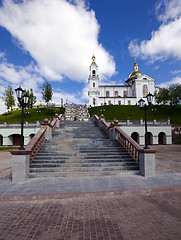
x,y
93,73
129,102
107,93
109,102
124,93
145,90
119,102
93,84
116,93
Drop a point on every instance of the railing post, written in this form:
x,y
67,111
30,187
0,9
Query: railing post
x,y
57,122
147,162
48,133
20,167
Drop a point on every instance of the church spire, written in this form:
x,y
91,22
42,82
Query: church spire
x,y
93,60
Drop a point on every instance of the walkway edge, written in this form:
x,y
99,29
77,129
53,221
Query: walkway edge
x,y
37,197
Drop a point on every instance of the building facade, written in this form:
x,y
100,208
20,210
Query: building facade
x,y
137,86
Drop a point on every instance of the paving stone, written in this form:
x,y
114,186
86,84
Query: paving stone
x,y
140,216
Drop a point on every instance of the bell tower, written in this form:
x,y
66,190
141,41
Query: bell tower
x,y
93,80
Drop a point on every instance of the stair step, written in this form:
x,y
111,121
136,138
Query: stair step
x,y
82,174
84,169
80,149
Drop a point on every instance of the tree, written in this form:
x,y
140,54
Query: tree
x,y
9,100
47,92
32,99
171,95
175,94
162,96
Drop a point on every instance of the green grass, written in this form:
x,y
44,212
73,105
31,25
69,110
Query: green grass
x,y
8,148
160,113
15,116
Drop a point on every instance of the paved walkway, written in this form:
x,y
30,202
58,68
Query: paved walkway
x,y
94,217
115,207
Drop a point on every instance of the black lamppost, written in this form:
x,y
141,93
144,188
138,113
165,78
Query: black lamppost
x,y
61,102
94,102
38,111
23,99
144,107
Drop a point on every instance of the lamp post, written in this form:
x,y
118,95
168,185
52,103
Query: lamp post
x,y
145,107
23,99
38,111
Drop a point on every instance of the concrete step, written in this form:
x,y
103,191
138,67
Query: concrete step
x,y
82,174
71,165
83,169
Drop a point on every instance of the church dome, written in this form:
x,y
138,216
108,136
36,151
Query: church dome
x,y
135,70
135,73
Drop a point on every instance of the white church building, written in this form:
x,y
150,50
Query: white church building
x,y
137,86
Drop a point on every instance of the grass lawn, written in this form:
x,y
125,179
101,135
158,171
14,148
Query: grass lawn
x,y
8,148
15,116
160,113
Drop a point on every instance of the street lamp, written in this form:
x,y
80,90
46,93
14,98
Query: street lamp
x,y
145,107
38,111
23,99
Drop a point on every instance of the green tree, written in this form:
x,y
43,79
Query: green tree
x,y
175,94
9,99
47,92
162,97
171,95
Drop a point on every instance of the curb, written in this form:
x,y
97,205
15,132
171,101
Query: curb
x,y
37,197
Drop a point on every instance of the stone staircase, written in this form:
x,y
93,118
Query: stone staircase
x,y
80,112
80,149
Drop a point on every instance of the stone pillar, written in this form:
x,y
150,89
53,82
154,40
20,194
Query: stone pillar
x,y
168,121
48,133
127,121
147,162
154,121
20,168
141,121
58,122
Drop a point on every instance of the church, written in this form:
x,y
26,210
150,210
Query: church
x,y
137,86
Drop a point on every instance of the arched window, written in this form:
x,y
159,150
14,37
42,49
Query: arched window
x,y
161,138
119,102
93,84
107,93
135,136
116,93
93,73
109,102
145,90
124,93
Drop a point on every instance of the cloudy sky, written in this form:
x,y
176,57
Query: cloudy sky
x,y
55,40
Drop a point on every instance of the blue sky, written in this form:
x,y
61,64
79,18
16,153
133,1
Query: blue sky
x,y
55,40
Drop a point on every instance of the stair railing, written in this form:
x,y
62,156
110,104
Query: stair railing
x,y
23,158
144,157
36,142
105,126
128,143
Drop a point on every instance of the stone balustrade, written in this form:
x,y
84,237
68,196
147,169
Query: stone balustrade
x,y
144,157
23,158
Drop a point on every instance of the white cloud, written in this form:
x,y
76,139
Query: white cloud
x,y
176,80
168,10
28,77
59,35
166,41
175,71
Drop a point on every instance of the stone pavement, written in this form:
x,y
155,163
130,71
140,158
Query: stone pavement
x,y
94,217
113,207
